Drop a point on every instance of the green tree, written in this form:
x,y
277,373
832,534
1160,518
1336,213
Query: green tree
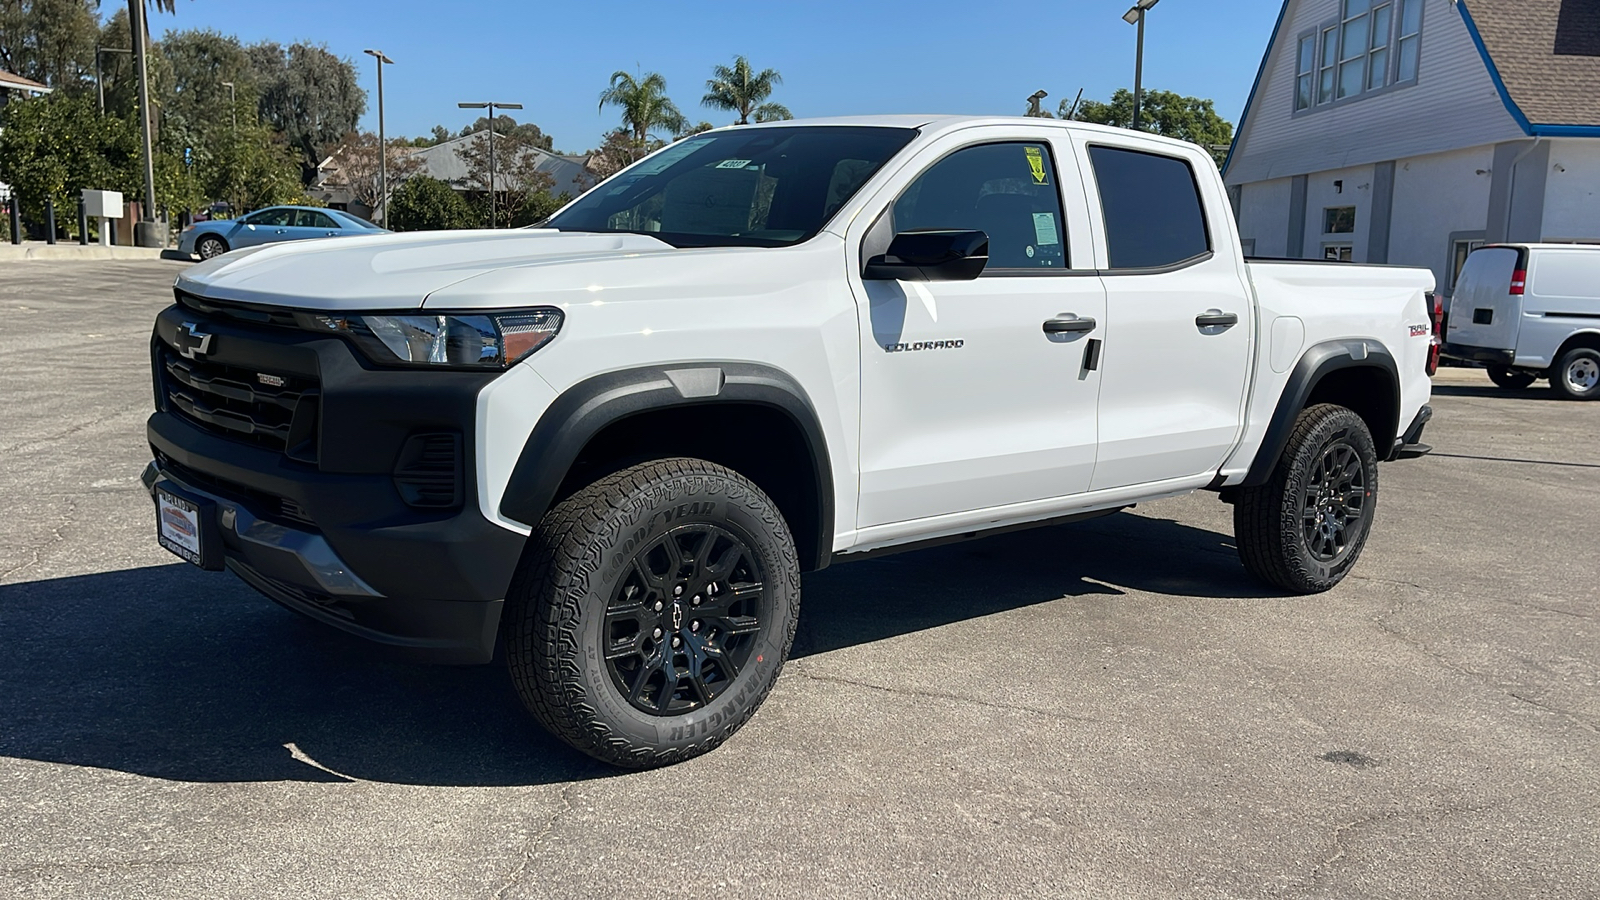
x,y
517,177
1166,113
308,95
194,103
250,167
740,89
505,125
428,204
59,144
49,41
644,103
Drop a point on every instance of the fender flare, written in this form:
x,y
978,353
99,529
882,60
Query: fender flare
x,y
588,407
1315,364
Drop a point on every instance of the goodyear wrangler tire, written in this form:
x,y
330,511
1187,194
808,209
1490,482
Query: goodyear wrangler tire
x,y
653,612
1304,529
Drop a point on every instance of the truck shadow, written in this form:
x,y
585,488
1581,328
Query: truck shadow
x,y
1492,392
174,673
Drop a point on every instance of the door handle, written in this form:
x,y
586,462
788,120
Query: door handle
x,y
1213,318
1069,325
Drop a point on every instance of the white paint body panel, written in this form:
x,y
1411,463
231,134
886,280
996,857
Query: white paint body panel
x,y
1006,430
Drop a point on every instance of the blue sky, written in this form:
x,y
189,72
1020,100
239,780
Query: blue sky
x,y
836,57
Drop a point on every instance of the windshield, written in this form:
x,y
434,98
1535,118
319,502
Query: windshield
x,y
749,187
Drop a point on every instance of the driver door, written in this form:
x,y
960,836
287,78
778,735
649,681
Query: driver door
x,y
970,410
262,227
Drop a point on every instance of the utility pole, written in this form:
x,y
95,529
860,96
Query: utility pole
x,y
233,104
491,107
1135,16
383,146
137,28
99,75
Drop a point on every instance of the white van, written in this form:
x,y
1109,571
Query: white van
x,y
1530,311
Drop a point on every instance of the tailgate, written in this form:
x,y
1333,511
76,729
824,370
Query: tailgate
x,y
1484,312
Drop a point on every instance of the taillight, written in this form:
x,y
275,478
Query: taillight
x,y
1436,310
1519,282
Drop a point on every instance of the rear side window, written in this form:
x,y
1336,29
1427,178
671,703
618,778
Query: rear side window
x,y
1152,208
310,218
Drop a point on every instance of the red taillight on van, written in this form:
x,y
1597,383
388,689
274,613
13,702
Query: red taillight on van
x,y
1436,312
1519,282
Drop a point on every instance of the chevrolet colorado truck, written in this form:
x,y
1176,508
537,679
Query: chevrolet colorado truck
x,y
606,448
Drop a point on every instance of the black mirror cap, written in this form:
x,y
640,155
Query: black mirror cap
x,y
931,256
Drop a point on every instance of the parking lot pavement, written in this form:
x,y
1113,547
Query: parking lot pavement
x,y
1108,709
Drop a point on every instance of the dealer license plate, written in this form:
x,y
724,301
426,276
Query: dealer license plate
x,y
178,525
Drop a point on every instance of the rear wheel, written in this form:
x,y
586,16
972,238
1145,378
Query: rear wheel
x,y
1305,528
653,612
1576,375
211,247
1510,379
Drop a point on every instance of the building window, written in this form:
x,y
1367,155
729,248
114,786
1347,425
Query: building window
x,y
1338,252
1304,72
1373,45
1461,250
1339,220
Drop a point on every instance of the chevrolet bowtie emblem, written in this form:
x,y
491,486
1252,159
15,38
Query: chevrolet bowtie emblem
x,y
191,341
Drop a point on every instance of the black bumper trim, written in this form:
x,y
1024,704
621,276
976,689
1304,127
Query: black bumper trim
x,y
1489,355
1409,445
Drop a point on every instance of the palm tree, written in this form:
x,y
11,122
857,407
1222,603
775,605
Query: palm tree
x,y
645,107
738,89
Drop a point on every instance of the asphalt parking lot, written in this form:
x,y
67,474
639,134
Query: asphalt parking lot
x,y
1109,709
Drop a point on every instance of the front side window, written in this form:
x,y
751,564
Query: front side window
x,y
1152,209
751,187
277,218
1007,191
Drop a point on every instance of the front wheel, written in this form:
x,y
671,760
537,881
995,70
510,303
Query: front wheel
x,y
1304,529
1510,379
653,611
1576,375
211,247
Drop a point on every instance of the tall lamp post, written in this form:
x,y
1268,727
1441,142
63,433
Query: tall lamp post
x,y
1135,16
233,103
99,75
383,148
491,107
144,229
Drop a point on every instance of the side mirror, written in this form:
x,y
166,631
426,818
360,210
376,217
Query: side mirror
x,y
931,256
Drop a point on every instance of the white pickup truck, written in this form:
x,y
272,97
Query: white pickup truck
x,y
609,446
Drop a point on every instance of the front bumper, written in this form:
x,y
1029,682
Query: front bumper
x,y
327,531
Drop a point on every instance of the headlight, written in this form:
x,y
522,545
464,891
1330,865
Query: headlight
x,y
456,340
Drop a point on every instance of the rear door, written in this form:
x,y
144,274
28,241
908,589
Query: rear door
x,y
1483,312
1179,314
309,223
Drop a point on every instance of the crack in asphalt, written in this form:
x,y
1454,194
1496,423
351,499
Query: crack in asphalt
x,y
56,537
530,847
26,446
1341,850
1524,462
938,695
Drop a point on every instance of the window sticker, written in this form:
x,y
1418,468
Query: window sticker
x,y
1044,229
1035,157
732,164
659,163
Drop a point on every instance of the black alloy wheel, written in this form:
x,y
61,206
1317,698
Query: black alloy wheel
x,y
1333,503
682,624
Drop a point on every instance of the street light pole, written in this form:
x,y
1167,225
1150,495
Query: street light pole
x,y
1135,16
491,107
99,76
136,28
233,104
383,147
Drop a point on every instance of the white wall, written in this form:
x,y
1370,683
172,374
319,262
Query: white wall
x,y
1435,196
1264,216
1321,193
1572,196
1453,104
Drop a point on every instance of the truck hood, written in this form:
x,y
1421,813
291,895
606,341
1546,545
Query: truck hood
x,y
393,271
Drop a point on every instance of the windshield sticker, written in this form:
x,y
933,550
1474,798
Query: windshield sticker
x,y
659,163
1044,229
732,164
1036,164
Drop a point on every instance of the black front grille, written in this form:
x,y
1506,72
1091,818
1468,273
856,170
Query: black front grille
x,y
278,412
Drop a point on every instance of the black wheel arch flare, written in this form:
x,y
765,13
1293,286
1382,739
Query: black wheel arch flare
x,y
1315,365
587,408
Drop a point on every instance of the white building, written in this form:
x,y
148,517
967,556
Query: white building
x,y
1411,131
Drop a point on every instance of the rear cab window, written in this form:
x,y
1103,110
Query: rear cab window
x,y
1154,215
